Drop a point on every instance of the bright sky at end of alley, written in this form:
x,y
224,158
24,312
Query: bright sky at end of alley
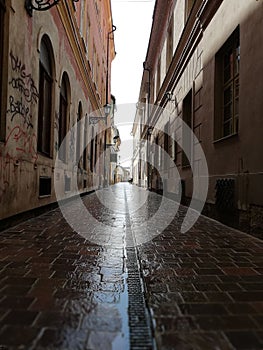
x,y
133,19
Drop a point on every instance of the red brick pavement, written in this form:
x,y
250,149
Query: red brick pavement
x,y
59,291
204,287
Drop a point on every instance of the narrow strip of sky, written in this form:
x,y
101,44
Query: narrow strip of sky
x,y
133,19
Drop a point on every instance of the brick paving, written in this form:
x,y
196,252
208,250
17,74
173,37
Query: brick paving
x,y
204,287
60,291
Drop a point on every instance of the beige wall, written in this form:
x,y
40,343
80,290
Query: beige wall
x,y
237,156
241,154
21,164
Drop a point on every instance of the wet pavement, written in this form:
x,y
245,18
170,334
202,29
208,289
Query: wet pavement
x,y
129,280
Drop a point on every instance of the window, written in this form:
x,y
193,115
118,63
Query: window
x,y
156,153
187,123
94,64
82,14
85,145
2,26
45,97
152,95
63,115
227,87
166,144
102,90
98,81
169,50
96,152
88,36
158,77
67,183
174,148
79,128
92,150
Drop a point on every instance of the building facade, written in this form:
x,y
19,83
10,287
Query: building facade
x,y
202,68
55,77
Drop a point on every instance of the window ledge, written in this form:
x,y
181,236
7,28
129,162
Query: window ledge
x,y
226,138
43,154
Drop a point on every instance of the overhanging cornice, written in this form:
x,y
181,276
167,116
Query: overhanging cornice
x,y
70,26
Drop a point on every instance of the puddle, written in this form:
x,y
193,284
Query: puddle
x,y
122,340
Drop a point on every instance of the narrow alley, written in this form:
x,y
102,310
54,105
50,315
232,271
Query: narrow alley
x,y
121,121
196,290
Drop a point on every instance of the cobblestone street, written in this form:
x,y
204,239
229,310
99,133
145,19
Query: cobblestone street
x,y
135,289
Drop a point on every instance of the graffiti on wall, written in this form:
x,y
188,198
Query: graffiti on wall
x,y
18,108
21,141
22,81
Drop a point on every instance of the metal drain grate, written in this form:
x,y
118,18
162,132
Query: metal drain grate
x,y
139,319
139,322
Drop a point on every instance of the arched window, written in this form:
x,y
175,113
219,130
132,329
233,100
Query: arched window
x,y
85,144
2,28
63,115
45,97
79,136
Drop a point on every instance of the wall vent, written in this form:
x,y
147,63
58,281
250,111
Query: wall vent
x,y
225,193
44,186
67,183
113,157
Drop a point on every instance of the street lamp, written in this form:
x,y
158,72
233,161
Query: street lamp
x,y
94,120
107,108
40,5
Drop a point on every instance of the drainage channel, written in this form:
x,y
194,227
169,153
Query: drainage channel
x,y
141,337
